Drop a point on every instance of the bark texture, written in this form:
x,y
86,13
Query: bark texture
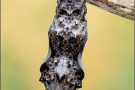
x,y
124,8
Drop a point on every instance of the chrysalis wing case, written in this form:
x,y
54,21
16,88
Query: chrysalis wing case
x,y
62,69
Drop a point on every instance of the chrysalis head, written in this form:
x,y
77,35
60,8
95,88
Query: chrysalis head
x,y
71,1
71,8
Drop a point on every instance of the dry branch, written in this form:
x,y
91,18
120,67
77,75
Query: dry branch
x,y
124,8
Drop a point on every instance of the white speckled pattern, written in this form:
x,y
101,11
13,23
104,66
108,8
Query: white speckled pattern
x,y
67,38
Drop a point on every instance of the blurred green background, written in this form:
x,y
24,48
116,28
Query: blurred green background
x,y
108,57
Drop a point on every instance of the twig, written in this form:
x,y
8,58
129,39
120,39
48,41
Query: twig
x,y
124,8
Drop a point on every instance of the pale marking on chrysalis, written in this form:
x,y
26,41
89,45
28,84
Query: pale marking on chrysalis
x,y
62,67
79,58
69,24
48,55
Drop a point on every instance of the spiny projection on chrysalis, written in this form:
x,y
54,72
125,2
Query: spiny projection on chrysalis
x,y
62,68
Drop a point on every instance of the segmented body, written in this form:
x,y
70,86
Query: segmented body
x,y
67,37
